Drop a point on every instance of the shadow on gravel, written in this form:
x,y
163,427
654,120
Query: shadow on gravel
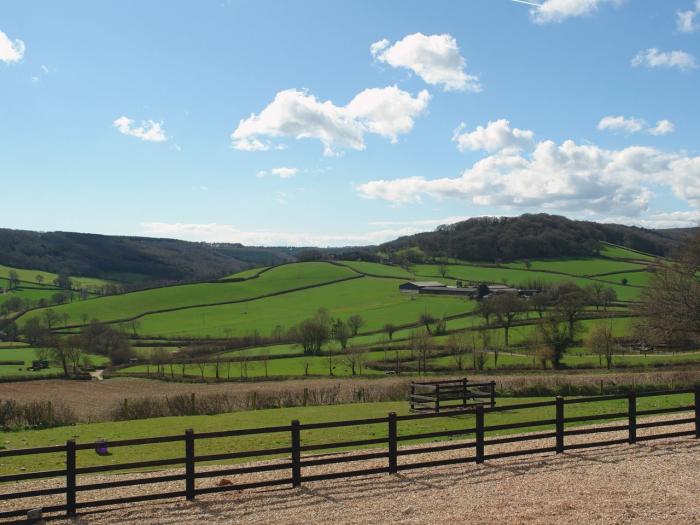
x,y
229,507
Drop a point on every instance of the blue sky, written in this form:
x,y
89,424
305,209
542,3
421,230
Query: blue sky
x,y
333,123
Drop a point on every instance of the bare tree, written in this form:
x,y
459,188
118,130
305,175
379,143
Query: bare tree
x,y
355,322
422,344
426,320
600,340
670,304
569,303
389,329
458,345
506,307
12,280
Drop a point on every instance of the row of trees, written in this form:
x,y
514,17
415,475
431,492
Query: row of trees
x,y
71,351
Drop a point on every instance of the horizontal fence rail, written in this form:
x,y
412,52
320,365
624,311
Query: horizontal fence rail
x,y
291,461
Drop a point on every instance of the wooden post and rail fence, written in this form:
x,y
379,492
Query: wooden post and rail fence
x,y
296,457
451,394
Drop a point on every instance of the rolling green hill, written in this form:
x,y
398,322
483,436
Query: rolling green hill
x,y
286,294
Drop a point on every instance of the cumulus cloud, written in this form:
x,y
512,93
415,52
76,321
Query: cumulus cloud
x,y
149,130
293,113
558,177
497,135
685,20
560,10
663,127
653,58
388,112
215,232
11,51
434,58
635,125
282,173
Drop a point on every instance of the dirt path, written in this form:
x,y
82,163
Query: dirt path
x,y
648,483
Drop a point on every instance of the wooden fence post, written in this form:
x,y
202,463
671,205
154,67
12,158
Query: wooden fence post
x,y
560,424
437,399
697,411
632,416
493,394
464,392
296,454
480,433
392,443
70,478
189,464
413,391
193,404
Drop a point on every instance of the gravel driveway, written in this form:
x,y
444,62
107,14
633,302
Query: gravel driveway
x,y
650,482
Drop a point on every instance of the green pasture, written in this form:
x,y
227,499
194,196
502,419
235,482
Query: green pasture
x,y
511,276
246,274
377,300
383,270
133,304
611,250
633,278
577,266
27,355
112,431
30,276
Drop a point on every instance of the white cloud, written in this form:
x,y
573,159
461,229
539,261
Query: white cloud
x,y
385,111
620,123
635,125
282,173
434,58
674,219
497,135
388,112
663,127
11,51
565,177
653,58
685,21
149,130
227,233
559,10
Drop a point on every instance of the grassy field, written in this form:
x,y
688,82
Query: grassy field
x,y
633,278
246,274
383,270
91,432
30,276
27,355
610,250
377,300
512,276
578,266
136,303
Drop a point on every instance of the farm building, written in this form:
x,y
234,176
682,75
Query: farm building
x,y
437,288
416,287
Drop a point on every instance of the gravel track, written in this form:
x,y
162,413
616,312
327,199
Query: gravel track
x,y
650,482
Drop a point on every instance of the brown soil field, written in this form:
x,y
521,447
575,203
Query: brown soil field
x,y
648,483
93,400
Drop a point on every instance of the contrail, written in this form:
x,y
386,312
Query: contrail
x,y
528,3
